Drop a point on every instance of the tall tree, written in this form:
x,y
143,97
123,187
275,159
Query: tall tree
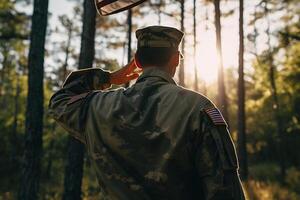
x,y
68,24
129,38
158,5
242,151
276,106
181,69
222,98
206,22
74,163
31,168
195,45
129,34
160,9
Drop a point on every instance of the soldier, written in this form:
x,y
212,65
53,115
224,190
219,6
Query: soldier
x,y
154,140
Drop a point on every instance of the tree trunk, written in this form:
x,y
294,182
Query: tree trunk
x,y
73,170
159,11
242,151
255,32
195,46
181,68
30,177
221,84
276,108
51,152
75,153
129,23
129,31
204,88
67,53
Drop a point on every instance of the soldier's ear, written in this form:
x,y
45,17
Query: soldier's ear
x,y
137,62
175,59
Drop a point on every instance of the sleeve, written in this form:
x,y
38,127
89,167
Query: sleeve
x,y
69,105
216,161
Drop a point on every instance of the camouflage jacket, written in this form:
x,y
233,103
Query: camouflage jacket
x,y
154,140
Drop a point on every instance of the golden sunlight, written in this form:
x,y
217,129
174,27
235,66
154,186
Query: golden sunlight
x,y
206,58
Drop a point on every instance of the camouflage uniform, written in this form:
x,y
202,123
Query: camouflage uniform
x,y
154,140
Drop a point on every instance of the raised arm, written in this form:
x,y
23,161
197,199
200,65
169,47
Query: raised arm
x,y
69,106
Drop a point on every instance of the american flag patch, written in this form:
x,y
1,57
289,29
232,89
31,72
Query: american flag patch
x,y
215,115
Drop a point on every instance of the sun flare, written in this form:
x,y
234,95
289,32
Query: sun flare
x,y
206,58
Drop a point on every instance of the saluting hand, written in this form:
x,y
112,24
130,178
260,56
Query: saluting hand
x,y
125,74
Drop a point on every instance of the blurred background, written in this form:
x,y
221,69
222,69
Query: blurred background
x,y
245,56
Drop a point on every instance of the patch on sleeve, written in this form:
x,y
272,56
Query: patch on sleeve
x,y
215,116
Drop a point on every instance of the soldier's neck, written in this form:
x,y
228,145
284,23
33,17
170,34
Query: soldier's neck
x,y
167,69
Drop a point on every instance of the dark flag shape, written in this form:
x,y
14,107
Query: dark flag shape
x,y
108,7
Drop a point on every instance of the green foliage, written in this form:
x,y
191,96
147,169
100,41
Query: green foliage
x,y
13,24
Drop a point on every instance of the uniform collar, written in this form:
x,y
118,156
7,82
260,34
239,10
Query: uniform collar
x,y
156,72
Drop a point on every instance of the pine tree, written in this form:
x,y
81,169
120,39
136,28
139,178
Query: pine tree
x,y
196,87
181,68
129,33
30,178
276,106
221,83
75,154
242,151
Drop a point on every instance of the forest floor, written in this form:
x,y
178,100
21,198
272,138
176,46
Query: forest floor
x,y
263,183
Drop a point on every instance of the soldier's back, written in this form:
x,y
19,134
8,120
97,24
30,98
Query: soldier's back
x,y
142,140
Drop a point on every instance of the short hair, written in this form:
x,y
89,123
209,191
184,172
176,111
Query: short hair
x,y
157,56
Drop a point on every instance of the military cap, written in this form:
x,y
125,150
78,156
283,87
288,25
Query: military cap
x,y
159,36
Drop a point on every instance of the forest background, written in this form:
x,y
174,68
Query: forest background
x,y
245,56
